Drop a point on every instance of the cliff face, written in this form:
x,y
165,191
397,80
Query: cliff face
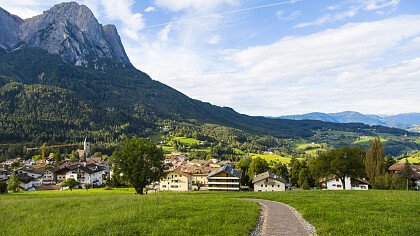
x,y
69,30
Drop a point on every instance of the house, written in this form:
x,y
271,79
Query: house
x,y
86,174
176,180
50,175
224,178
28,183
268,181
398,168
30,171
334,183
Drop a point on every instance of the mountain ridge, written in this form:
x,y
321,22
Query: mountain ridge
x,y
67,29
403,120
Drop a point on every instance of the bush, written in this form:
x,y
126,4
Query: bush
x,y
3,187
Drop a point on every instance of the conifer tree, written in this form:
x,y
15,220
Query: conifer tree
x,y
375,161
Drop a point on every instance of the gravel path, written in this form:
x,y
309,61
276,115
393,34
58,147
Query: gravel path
x,y
281,219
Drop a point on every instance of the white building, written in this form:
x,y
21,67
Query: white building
x,y
224,179
268,182
86,174
351,184
176,180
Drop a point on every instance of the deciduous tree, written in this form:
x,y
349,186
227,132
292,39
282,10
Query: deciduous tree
x,y
71,183
342,162
140,162
257,166
14,183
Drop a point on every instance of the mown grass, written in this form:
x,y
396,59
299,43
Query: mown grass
x,y
364,140
101,212
311,148
121,212
187,141
370,212
272,157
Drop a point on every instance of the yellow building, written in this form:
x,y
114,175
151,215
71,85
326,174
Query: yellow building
x,y
176,180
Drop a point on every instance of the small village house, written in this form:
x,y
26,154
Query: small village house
x,y
334,183
268,182
176,180
224,179
398,168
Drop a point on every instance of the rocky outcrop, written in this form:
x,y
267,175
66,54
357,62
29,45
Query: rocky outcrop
x,y
9,28
67,29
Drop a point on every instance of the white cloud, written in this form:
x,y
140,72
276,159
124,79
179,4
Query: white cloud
x,y
121,10
150,9
196,5
282,15
350,11
332,70
214,40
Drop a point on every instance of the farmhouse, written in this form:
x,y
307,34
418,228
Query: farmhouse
x,y
224,178
334,183
398,168
176,180
268,181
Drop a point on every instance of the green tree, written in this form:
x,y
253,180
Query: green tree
x,y
14,183
140,162
281,170
243,165
295,166
257,166
71,183
36,157
341,162
375,161
305,179
3,187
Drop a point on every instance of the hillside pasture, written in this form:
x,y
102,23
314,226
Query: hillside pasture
x,y
272,157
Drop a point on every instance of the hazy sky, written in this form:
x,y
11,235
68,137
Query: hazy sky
x,y
269,57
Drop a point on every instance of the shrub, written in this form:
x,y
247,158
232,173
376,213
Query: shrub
x,y
3,187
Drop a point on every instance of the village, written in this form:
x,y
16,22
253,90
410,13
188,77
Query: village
x,y
182,174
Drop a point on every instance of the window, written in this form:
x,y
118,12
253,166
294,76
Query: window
x,y
266,186
338,185
278,186
262,185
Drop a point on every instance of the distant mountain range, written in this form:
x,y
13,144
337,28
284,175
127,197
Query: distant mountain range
x,y
404,121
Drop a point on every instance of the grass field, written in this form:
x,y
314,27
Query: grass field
x,y
311,148
101,212
187,141
98,212
367,140
273,157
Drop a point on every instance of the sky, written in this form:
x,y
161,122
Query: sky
x,y
271,57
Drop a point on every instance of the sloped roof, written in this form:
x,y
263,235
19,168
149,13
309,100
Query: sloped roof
x,y
227,169
266,175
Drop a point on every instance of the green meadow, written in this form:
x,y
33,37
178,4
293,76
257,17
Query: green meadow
x,y
121,212
272,157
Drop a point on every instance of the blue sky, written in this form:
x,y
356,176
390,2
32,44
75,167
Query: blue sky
x,y
270,57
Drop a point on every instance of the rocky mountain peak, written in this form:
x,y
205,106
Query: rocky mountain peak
x,y
69,30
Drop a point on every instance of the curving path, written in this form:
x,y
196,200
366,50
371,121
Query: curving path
x,y
281,219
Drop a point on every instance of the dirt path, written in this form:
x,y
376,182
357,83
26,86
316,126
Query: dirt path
x,y
281,219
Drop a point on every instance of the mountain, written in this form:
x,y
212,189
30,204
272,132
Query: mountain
x,y
69,30
404,121
59,89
